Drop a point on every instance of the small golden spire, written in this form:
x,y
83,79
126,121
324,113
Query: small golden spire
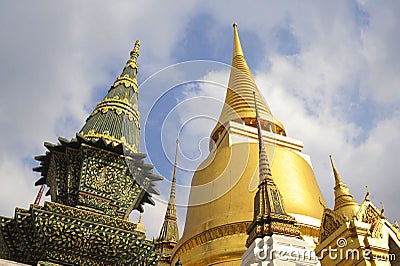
x,y
237,47
338,180
344,201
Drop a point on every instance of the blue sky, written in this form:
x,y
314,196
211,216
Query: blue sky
x,y
328,70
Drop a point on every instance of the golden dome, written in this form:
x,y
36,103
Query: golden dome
x,y
222,195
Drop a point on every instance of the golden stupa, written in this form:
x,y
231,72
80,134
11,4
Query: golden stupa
x,y
221,198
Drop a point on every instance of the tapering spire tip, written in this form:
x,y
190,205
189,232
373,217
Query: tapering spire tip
x,y
237,47
338,180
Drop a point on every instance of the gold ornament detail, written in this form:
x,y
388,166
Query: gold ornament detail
x,y
109,139
131,63
331,221
73,236
119,106
214,233
127,81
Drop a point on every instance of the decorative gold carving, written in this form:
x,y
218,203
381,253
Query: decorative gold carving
x,y
213,234
368,213
132,63
118,190
331,221
127,81
109,139
376,229
120,107
68,235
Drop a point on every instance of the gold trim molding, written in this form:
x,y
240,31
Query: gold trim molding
x,y
119,106
109,139
212,234
127,81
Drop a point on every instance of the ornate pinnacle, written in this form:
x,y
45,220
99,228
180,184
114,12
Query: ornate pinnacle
x,y
238,96
338,180
132,62
135,51
173,185
265,171
270,216
169,231
116,118
237,47
344,201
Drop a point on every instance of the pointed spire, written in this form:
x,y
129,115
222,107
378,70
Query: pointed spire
x,y
169,234
116,118
237,47
344,201
238,102
169,231
171,210
270,215
338,180
264,169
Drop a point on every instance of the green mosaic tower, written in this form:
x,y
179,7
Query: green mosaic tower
x,y
96,180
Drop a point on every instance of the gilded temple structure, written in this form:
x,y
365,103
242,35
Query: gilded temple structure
x,y
272,231
360,233
223,227
220,208
96,180
254,194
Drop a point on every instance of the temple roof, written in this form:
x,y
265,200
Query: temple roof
x,y
102,165
116,117
136,158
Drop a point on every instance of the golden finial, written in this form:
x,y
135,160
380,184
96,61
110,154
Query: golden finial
x,y
132,62
237,47
338,180
383,208
135,51
367,194
396,225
